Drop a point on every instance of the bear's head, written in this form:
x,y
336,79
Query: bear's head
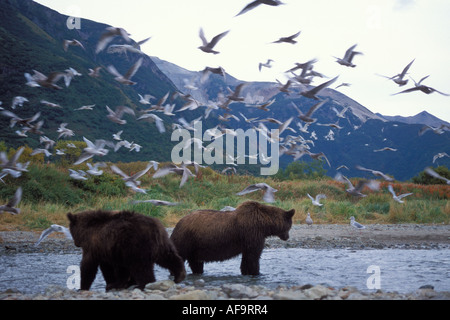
x,y
272,221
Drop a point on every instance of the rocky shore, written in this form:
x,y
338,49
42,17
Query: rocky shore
x,y
406,237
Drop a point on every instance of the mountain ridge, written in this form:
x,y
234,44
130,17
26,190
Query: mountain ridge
x,y
33,35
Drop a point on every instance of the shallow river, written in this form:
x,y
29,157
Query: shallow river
x,y
389,269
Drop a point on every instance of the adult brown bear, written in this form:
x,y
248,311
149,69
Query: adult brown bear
x,y
209,235
125,245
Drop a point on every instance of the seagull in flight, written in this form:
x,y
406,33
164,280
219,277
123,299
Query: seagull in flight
x,y
290,39
399,78
399,197
208,46
376,173
268,194
12,203
434,174
125,79
109,35
54,228
348,57
315,201
420,87
156,202
254,4
312,93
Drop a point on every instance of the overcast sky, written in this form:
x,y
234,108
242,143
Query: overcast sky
x,y
390,33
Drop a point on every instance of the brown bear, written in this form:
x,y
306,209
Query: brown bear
x,y
209,235
125,245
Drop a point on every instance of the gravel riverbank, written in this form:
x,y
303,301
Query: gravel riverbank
x,y
404,236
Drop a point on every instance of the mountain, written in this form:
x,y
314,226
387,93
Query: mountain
x,y
32,39
423,117
363,132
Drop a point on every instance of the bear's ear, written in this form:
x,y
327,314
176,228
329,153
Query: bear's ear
x,y
71,217
290,213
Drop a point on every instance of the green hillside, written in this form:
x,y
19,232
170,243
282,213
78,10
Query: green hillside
x,y
31,36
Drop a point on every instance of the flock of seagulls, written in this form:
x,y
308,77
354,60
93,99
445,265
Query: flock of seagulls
x,y
296,146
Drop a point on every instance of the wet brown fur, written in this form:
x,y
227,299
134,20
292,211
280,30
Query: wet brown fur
x,y
209,235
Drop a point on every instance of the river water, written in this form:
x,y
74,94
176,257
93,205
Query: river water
x,y
390,270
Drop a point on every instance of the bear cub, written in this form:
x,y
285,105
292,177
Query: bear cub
x,y
209,235
125,245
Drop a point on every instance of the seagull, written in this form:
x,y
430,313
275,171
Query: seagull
x,y
440,155
97,149
18,101
145,99
420,87
93,168
317,156
356,191
50,104
172,168
54,228
437,130
126,79
89,107
208,46
399,197
123,48
348,57
12,203
156,202
116,136
256,3
116,116
434,174
340,114
205,73
267,64
158,121
16,119
312,93
385,149
307,116
376,173
309,221
109,35
95,73
69,75
131,179
64,132
73,42
398,79
228,208
315,201
268,194
40,80
289,39
355,224
77,174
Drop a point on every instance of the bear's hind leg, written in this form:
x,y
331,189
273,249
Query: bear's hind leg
x,y
142,274
196,266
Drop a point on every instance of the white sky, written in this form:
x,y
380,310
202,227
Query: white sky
x,y
390,33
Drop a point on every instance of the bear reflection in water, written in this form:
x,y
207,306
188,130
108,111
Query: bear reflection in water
x,y
125,245
209,235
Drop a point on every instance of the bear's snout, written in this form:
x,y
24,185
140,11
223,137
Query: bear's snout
x,y
284,236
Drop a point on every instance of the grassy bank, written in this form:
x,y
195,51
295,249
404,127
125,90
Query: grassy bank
x,y
49,193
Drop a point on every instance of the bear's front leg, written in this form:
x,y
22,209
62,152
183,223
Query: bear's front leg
x,y
88,270
250,260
